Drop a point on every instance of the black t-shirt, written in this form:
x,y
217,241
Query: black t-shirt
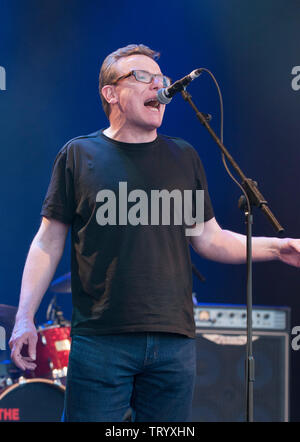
x,y
126,278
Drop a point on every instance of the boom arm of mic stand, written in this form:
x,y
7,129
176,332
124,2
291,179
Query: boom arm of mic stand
x,y
250,187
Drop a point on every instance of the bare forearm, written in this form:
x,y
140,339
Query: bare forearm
x,y
263,248
40,266
230,247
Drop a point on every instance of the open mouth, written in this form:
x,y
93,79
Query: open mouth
x,y
152,104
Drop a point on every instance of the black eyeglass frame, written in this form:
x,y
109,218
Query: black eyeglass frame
x,y
152,76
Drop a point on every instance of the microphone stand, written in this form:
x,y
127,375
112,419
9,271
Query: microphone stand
x,y
253,197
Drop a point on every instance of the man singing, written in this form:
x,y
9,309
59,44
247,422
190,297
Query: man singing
x,y
133,331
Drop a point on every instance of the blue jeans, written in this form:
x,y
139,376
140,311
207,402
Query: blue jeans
x,y
151,375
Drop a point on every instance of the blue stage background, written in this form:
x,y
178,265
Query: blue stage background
x,y
52,53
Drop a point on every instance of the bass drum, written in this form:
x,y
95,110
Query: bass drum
x,y
32,400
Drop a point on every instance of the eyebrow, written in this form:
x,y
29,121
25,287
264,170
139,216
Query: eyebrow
x,y
145,70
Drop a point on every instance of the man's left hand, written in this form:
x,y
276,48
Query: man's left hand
x,y
289,251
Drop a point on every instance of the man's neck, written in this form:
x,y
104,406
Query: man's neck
x,y
129,136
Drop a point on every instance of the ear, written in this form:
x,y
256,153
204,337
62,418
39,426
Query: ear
x,y
108,92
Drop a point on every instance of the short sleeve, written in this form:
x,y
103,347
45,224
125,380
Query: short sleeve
x,y
59,202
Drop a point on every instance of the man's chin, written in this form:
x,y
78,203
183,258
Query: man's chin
x,y
149,125
155,124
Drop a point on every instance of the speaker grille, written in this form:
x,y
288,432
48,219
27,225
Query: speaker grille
x,y
220,384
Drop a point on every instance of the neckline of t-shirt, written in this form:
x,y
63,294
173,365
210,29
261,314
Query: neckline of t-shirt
x,y
129,146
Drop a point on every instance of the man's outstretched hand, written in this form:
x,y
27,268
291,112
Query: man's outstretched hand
x,y
289,251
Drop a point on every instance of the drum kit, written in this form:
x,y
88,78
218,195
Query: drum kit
x,y
37,396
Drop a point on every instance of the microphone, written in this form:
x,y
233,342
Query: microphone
x,y
165,94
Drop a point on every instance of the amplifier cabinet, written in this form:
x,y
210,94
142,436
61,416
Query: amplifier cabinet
x,y
220,389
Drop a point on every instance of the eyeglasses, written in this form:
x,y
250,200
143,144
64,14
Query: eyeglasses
x,y
145,77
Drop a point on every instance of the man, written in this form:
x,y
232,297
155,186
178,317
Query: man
x,y
133,333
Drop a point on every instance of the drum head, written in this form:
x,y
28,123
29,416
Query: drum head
x,y
35,400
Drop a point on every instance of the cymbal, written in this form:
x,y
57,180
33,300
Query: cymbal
x,y
7,313
62,284
7,317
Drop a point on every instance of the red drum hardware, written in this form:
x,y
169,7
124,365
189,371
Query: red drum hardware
x,y
53,348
